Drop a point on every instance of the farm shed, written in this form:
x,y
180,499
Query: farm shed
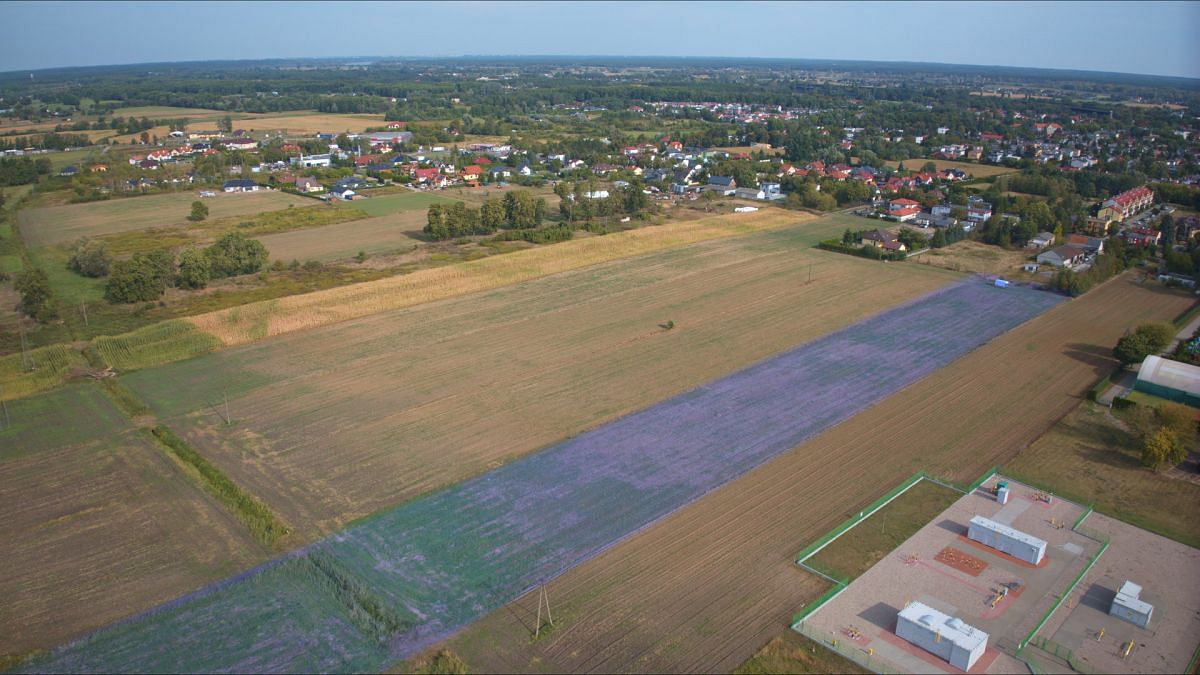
x,y
1168,379
1007,540
942,635
1129,606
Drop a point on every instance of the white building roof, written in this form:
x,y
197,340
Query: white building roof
x,y
1128,597
1007,531
949,628
1173,374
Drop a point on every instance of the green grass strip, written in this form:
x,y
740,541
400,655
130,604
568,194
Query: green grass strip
x,y
983,479
261,521
1191,666
827,596
838,531
155,345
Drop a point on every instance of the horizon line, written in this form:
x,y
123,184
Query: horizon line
x,y
1047,69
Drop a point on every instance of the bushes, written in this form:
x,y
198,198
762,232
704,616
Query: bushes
x,y
1146,339
195,269
234,254
199,212
143,277
36,299
90,258
547,235
253,513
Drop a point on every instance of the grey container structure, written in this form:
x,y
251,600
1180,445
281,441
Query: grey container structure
x,y
941,635
1129,606
1007,540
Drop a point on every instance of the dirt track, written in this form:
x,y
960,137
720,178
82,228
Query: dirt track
x,y
704,588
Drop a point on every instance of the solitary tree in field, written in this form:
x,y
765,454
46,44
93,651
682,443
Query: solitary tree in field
x,y
199,211
1163,449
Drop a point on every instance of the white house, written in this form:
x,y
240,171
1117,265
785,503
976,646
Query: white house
x,y
308,161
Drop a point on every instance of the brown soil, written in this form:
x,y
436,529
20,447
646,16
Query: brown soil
x,y
702,589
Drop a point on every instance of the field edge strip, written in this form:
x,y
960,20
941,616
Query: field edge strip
x,y
262,522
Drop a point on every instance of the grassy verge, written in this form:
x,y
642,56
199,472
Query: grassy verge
x,y
794,653
1089,458
867,543
261,521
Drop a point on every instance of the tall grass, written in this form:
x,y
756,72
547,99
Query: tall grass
x,y
368,613
154,345
259,320
37,370
258,517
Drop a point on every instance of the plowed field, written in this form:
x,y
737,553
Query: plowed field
x,y
336,423
97,522
702,589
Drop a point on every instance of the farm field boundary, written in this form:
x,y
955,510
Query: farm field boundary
x,y
443,560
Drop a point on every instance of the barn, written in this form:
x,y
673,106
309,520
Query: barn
x,y
1168,379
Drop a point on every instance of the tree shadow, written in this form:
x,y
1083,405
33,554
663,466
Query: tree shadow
x,y
1099,358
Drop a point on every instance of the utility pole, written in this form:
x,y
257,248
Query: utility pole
x,y
83,305
228,420
543,597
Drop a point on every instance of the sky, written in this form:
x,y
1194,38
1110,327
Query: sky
x,y
1156,38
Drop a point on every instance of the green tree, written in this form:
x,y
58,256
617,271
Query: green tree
x,y
1146,339
91,258
938,240
194,269
235,254
36,300
199,211
1162,448
491,214
138,279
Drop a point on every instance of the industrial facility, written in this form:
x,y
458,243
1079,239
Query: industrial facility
x,y
1007,540
942,635
1168,379
1129,606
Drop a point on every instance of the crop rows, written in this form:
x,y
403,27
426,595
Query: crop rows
x,y
439,562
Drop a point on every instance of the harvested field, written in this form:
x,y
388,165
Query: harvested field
x,y
168,112
705,587
400,202
99,523
62,224
574,350
275,317
980,258
973,170
794,653
433,564
344,240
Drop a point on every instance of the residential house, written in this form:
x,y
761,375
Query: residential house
x,y
307,184
344,193
1063,256
1089,244
68,171
241,185
596,194
884,240
471,173
1127,203
499,172
928,219
1142,237
239,143
724,185
1041,240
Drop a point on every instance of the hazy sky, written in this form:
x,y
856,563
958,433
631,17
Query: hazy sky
x,y
1134,37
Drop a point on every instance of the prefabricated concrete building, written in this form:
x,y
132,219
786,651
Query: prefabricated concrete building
x,y
1007,540
941,635
1129,606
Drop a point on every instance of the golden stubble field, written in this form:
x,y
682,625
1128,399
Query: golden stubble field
x,y
704,588
336,423
63,224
